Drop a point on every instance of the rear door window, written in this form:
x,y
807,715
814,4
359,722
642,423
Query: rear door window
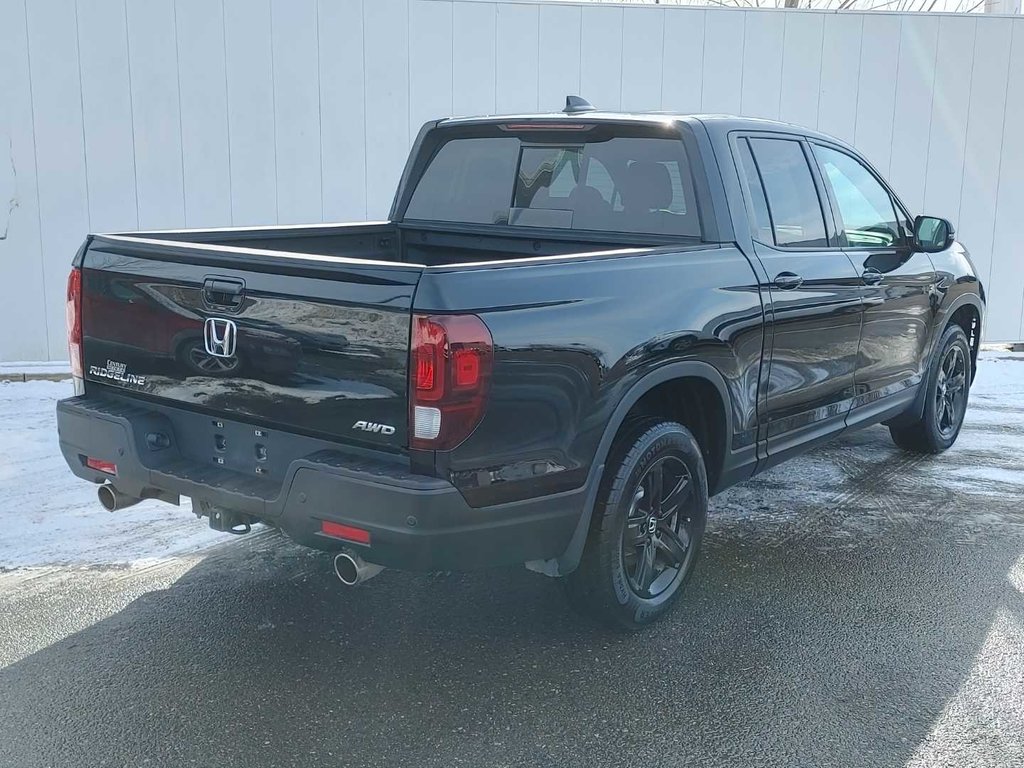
x,y
793,205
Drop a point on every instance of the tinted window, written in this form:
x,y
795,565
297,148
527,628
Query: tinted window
x,y
468,180
622,184
865,208
755,194
793,203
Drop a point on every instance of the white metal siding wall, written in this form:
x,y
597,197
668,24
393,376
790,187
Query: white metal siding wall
x,y
124,114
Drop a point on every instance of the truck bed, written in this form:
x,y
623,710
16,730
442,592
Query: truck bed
x,y
387,242
318,319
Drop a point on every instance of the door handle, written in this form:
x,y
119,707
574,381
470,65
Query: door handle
x,y
787,281
871,276
222,292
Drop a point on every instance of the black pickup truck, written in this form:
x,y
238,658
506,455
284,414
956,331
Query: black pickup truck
x,y
573,329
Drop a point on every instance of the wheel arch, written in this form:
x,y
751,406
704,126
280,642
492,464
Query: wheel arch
x,y
966,312
672,372
966,307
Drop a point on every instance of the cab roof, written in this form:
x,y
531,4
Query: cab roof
x,y
713,123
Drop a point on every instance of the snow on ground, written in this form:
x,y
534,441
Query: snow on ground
x,y
50,517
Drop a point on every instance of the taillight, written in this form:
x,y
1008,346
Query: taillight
x,y
73,318
450,375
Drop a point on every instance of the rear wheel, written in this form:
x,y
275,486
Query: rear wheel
x,y
647,527
947,389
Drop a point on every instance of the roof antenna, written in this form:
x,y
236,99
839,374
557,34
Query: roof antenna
x,y
576,104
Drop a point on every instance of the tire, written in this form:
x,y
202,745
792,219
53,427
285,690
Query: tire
x,y
640,552
947,390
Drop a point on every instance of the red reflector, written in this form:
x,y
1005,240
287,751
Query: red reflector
x,y
467,367
101,466
347,532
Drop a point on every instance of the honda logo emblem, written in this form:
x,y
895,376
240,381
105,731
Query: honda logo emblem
x,y
220,334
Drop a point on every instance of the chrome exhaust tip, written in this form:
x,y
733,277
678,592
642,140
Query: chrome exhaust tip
x,y
351,569
113,500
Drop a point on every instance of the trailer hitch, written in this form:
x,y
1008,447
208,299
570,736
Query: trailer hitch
x,y
226,520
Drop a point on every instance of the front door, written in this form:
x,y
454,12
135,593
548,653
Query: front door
x,y
898,283
812,294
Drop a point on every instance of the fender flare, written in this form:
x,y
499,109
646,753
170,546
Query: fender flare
x,y
946,313
942,318
570,559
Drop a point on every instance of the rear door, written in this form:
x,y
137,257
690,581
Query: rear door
x,y
898,282
813,294
315,345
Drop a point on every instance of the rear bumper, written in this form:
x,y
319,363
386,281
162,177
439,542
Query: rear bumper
x,y
415,522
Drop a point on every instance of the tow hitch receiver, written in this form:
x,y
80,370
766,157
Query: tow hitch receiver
x,y
226,520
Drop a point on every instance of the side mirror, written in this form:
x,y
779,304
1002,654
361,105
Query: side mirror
x,y
932,234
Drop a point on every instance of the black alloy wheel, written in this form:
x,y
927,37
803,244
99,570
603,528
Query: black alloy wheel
x,y
656,538
935,424
646,528
951,392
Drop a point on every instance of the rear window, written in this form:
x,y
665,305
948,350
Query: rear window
x,y
620,184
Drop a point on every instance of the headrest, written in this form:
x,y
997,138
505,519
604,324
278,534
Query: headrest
x,y
648,186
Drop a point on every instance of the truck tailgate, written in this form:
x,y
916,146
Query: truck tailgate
x,y
317,345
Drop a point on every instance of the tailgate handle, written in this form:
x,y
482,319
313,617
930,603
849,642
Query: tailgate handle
x,y
222,292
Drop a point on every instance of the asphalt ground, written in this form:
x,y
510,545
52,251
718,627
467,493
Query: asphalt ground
x,y
859,606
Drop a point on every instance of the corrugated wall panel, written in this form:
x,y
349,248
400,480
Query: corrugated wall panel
x,y
474,35
915,75
23,289
643,45
430,62
63,187
682,71
840,75
561,29
801,68
386,62
601,55
107,114
1006,282
951,98
297,110
876,88
249,56
202,77
763,45
165,113
517,65
156,112
342,108
722,83
984,144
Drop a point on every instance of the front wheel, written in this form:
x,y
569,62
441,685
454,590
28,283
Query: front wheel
x,y
646,530
947,387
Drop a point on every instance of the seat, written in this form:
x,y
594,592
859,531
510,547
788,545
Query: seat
x,y
647,188
590,209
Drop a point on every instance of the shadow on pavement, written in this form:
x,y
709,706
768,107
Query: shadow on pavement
x,y
785,653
